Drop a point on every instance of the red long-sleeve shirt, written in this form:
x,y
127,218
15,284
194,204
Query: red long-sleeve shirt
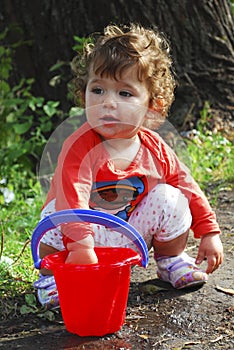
x,y
86,177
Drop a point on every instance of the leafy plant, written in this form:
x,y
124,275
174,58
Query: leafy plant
x,y
211,154
31,307
26,120
17,221
232,5
62,69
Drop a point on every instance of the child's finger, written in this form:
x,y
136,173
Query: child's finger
x,y
213,264
200,258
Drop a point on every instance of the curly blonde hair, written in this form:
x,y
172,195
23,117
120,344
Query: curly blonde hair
x,y
120,48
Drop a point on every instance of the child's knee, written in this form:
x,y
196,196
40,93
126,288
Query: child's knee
x,y
169,198
164,214
175,217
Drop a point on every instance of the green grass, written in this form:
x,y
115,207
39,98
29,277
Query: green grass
x,y
17,221
211,162
211,158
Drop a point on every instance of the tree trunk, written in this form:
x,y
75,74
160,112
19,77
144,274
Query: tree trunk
x,y
201,33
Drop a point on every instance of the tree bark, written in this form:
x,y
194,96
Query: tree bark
x,y
201,33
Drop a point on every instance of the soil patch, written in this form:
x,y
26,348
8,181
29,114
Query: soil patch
x,y
158,316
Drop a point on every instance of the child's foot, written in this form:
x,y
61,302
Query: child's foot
x,y
181,271
47,291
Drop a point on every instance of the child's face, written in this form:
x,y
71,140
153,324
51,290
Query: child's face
x,y
116,108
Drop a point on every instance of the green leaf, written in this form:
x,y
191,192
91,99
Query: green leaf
x,y
51,108
76,111
48,315
55,80
45,127
25,309
30,299
4,33
4,87
35,102
22,128
57,65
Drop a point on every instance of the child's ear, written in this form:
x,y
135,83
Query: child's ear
x,y
156,105
154,117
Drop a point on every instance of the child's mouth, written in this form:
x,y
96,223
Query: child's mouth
x,y
109,119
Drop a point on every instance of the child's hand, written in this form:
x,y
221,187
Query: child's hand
x,y
211,248
82,257
82,252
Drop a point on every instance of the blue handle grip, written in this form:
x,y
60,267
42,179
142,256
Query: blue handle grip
x,y
90,216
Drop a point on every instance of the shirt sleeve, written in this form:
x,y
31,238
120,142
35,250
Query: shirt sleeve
x,y
72,181
178,175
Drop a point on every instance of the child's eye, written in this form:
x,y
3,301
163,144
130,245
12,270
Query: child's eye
x,y
97,91
125,93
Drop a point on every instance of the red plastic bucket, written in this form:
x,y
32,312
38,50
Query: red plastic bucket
x,y
93,298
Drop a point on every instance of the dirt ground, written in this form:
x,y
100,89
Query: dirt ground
x,y
158,316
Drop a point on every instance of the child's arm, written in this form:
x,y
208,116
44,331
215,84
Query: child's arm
x,y
210,248
71,186
176,174
204,224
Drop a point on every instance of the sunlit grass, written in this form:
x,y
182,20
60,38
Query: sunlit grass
x,y
17,221
211,158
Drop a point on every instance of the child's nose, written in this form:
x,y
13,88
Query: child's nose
x,y
109,101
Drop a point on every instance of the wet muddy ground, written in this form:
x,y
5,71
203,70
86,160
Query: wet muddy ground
x,y
158,316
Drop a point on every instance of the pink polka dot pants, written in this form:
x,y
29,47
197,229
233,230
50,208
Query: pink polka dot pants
x,y
164,214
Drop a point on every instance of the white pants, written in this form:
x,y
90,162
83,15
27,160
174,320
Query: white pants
x,y
163,213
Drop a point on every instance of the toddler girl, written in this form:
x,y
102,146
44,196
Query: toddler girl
x,y
115,163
